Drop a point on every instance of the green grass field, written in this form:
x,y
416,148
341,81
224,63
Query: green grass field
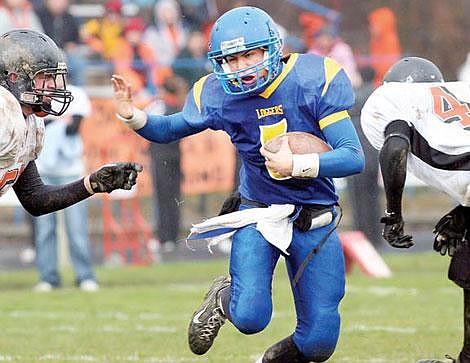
x,y
141,315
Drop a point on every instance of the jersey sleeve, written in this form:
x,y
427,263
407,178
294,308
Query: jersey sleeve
x,y
382,107
200,112
12,129
200,108
335,96
329,95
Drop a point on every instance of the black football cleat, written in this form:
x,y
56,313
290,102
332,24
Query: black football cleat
x,y
208,319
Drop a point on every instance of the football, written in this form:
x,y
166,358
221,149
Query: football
x,y
299,143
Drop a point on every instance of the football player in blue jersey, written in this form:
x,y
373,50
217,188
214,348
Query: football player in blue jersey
x,y
254,95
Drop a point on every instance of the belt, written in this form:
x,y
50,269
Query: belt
x,y
311,207
253,203
310,216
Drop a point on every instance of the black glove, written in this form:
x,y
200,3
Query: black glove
x,y
393,231
231,204
115,176
451,231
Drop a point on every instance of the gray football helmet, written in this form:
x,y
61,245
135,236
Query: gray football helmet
x,y
25,53
413,70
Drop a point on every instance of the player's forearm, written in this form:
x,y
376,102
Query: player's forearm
x,y
347,157
165,129
38,198
162,129
393,160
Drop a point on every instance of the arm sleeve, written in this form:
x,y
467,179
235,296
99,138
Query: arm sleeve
x,y
347,157
393,158
165,129
336,96
38,198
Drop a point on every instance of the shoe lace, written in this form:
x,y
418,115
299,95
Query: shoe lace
x,y
211,328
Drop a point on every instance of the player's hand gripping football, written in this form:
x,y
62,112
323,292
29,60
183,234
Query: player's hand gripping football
x,y
114,176
122,96
280,161
451,231
393,231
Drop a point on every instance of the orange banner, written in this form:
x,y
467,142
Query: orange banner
x,y
207,159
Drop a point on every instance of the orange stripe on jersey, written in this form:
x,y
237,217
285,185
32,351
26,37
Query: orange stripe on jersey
x,y
331,70
331,119
272,87
197,90
9,178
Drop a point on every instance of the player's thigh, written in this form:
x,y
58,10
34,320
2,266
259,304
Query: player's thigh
x,y
252,264
321,284
252,259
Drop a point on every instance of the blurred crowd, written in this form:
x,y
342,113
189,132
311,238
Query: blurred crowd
x,y
145,41
148,41
160,46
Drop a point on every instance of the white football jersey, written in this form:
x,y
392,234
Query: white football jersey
x,y
439,116
20,139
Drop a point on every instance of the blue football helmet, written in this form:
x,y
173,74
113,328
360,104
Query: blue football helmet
x,y
239,30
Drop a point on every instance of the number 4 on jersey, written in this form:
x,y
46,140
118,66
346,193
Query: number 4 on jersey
x,y
449,108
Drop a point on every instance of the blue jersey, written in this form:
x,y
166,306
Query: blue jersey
x,y
311,93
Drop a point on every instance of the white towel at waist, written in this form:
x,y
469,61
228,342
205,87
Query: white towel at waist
x,y
272,222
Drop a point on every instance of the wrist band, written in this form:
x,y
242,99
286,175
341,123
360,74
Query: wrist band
x,y
86,183
305,165
137,121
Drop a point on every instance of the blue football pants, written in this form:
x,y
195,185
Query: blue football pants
x,y
316,295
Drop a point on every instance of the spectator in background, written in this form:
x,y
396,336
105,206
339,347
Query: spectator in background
x,y
136,59
167,36
384,45
327,42
363,188
166,171
102,35
63,28
18,14
192,63
218,103
197,14
60,162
